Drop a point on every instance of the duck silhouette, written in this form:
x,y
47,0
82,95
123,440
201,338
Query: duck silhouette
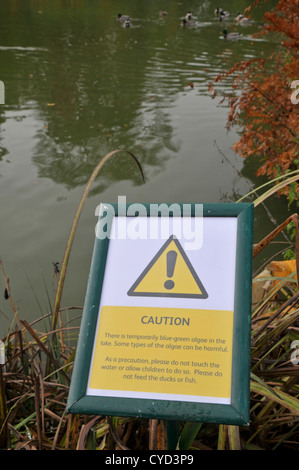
x,y
227,35
221,13
243,19
122,18
190,17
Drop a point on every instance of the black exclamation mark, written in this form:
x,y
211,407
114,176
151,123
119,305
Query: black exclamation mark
x,y
170,261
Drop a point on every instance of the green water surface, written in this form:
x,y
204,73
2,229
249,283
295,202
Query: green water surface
x,y
77,86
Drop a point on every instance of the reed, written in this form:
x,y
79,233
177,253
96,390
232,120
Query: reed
x,y
70,240
34,381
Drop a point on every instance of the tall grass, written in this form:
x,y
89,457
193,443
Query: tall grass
x,y
34,381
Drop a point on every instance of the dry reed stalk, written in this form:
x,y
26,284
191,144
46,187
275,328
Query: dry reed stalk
x,y
67,252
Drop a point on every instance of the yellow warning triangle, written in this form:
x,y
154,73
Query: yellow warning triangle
x,y
169,274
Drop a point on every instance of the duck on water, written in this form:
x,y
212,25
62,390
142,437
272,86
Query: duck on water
x,y
123,18
227,35
221,14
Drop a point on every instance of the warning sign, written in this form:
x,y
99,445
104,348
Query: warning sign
x,y
161,301
169,274
166,325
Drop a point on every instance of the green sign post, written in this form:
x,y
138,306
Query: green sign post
x,y
165,331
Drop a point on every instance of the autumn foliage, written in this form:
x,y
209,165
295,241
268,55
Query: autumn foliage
x,y
261,101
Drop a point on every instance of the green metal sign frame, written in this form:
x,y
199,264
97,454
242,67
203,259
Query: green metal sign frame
x,y
237,412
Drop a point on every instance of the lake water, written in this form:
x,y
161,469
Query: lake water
x,y
77,86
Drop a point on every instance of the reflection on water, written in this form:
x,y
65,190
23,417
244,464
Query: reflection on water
x,y
79,85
